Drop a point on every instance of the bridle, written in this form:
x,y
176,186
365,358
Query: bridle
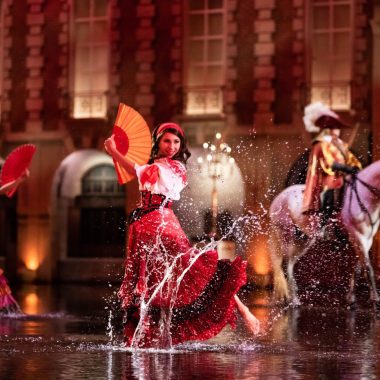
x,y
354,191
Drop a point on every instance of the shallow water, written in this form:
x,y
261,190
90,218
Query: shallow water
x,y
73,332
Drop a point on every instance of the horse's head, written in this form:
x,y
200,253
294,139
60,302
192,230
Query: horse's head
x,y
361,207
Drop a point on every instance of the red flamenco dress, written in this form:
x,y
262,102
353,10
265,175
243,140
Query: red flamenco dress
x,y
7,303
172,292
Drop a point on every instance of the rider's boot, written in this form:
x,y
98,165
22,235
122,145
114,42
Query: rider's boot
x,y
326,212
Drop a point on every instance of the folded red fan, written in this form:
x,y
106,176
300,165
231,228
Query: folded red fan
x,y
15,165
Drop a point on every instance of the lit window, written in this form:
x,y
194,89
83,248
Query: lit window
x,y
205,42
90,35
331,42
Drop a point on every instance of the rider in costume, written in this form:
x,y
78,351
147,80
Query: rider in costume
x,y
330,160
172,293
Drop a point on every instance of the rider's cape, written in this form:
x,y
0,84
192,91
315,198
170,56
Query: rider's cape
x,y
320,176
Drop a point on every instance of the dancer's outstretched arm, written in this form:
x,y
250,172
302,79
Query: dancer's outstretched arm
x,y
251,322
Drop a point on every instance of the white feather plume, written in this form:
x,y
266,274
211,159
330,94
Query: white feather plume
x,y
313,112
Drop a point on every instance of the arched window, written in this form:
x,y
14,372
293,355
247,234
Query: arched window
x,y
97,219
331,29
101,181
205,56
90,31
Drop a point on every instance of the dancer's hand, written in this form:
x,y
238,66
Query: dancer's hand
x,y
110,145
23,176
26,174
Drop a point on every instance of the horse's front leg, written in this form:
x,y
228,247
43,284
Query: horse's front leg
x,y
280,284
374,296
351,297
296,251
362,246
292,281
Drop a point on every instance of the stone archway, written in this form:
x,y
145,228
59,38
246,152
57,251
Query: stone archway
x,y
85,199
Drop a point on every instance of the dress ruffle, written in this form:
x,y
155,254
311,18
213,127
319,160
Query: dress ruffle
x,y
192,291
7,303
214,308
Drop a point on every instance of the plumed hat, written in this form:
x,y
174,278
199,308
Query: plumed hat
x,y
318,116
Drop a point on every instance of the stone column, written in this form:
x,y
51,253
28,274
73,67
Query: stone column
x,y
299,50
145,57
264,28
176,75
34,65
63,51
114,66
230,94
6,67
375,23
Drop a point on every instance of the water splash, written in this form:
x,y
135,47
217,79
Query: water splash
x,y
111,310
167,288
110,328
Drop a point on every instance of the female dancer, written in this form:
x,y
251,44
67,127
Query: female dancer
x,y
7,302
171,291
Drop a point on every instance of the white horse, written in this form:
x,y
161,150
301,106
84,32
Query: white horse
x,y
360,217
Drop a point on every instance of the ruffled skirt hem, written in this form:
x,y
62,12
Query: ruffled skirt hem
x,y
203,319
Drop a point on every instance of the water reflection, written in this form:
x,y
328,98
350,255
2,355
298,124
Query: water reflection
x,y
64,335
35,299
32,304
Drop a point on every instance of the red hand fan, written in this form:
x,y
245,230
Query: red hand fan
x,y
132,138
15,165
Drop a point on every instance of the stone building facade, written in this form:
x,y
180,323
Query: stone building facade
x,y
245,68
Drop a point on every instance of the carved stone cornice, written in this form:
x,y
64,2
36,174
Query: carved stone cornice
x,y
375,22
